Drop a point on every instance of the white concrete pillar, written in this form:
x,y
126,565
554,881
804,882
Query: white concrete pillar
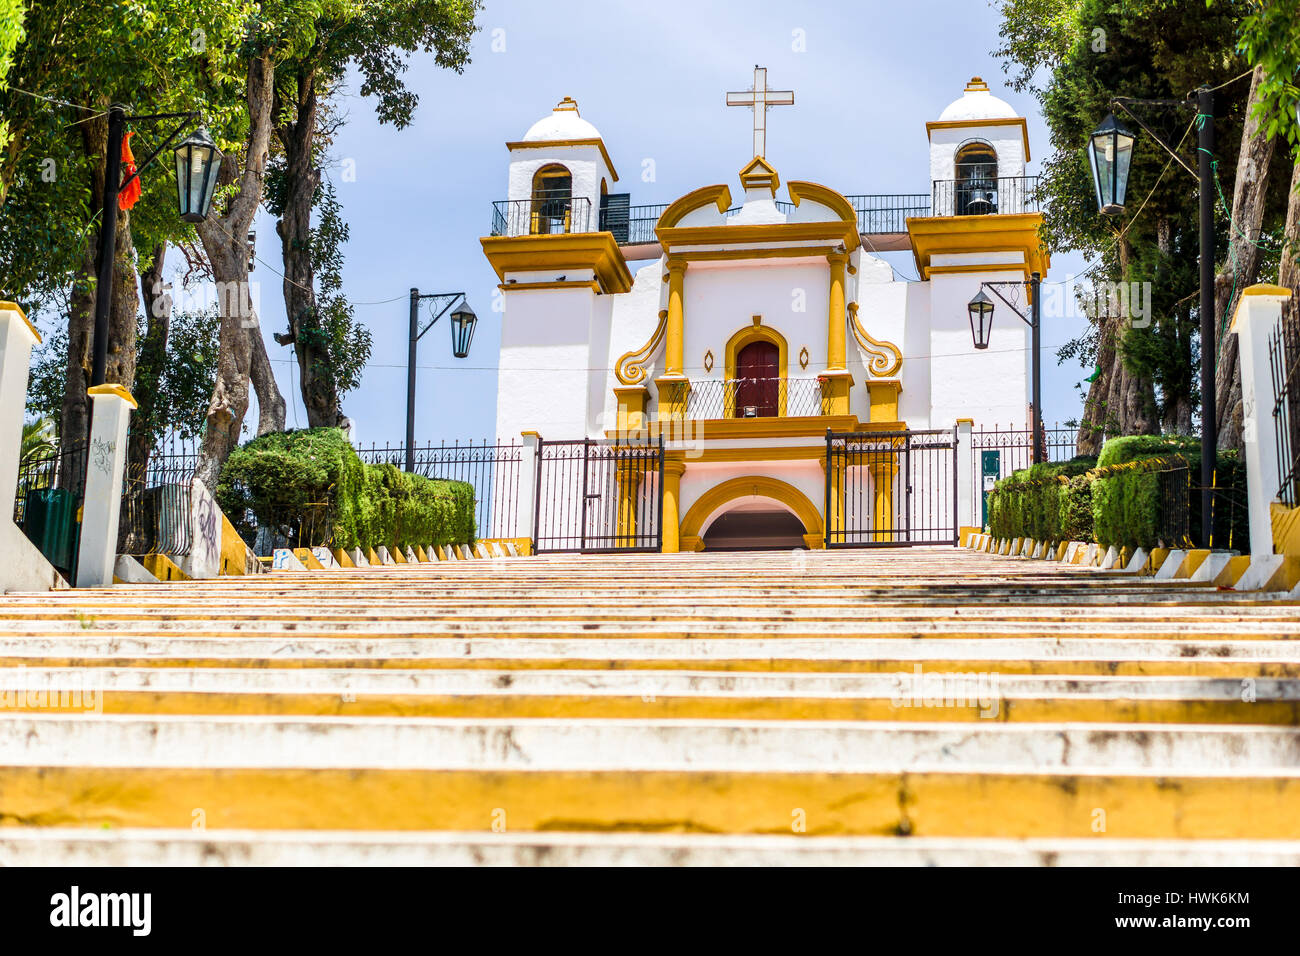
x,y
967,494
17,336
1256,318
526,506
105,465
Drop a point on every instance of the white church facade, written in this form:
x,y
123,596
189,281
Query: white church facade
x,y
741,328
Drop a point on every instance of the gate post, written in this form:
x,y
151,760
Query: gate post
x,y
670,518
967,517
1257,315
105,462
526,501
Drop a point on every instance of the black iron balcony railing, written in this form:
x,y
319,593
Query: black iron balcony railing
x,y
1003,195
553,215
878,213
881,213
755,398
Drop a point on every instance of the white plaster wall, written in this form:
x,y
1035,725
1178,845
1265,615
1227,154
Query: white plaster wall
x,y
992,386
634,316
722,298
544,380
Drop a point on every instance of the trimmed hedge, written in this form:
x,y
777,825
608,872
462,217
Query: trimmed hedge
x,y
310,486
1048,502
1116,500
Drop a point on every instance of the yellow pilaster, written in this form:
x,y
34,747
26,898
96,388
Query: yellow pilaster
x,y
882,489
629,489
675,333
631,408
835,324
673,394
884,399
672,516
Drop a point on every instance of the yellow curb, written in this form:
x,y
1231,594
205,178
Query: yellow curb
x,y
372,557
1232,571
163,568
309,560
344,559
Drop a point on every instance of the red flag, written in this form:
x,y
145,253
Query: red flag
x,y
131,191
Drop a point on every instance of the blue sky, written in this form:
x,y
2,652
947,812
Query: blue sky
x,y
652,77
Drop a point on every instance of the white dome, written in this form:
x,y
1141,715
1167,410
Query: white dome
x,y
977,103
562,123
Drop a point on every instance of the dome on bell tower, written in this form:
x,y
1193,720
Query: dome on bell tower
x,y
977,103
562,123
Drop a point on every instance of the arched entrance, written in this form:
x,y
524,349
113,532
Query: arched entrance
x,y
749,513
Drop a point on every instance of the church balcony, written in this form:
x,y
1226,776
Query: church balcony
x,y
754,398
985,196
550,216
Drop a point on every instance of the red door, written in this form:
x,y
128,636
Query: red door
x,y
758,382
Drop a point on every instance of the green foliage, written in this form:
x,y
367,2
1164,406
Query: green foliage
x,y
312,488
1269,32
1118,451
181,391
1041,502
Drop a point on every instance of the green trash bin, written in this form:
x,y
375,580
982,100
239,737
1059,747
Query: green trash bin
x,y
49,522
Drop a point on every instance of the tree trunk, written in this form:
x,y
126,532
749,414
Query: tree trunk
x,y
124,303
270,403
320,395
1288,273
1242,266
153,357
225,240
1097,423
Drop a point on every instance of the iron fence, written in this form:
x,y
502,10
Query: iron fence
x,y
48,499
595,496
891,489
641,224
755,398
979,196
997,453
492,469
155,516
880,213
1284,367
543,216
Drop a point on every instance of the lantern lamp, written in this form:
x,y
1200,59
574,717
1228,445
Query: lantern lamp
x,y
981,319
463,321
1110,154
198,163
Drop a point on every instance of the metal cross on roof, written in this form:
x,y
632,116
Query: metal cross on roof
x,y
760,99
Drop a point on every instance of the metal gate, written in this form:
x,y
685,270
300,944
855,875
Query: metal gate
x,y
599,496
891,489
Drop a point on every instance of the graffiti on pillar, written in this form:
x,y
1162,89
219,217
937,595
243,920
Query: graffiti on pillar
x,y
102,455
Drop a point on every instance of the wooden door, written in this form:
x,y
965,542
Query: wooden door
x,y
758,383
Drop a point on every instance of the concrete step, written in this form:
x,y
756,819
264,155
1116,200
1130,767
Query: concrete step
x,y
649,694
56,846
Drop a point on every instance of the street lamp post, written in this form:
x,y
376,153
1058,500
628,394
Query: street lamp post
x,y
1109,152
463,322
200,154
980,309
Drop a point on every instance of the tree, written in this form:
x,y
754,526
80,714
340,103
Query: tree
x,y
377,38
1076,56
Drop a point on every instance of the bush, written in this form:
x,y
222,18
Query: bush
x,y
1040,502
310,488
1127,502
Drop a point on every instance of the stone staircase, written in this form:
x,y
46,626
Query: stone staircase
x,y
927,706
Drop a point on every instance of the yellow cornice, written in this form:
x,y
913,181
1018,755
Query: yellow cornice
x,y
762,252
1260,288
521,286
933,125
112,388
806,427
955,235
831,199
597,251
719,195
771,232
544,143
15,307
